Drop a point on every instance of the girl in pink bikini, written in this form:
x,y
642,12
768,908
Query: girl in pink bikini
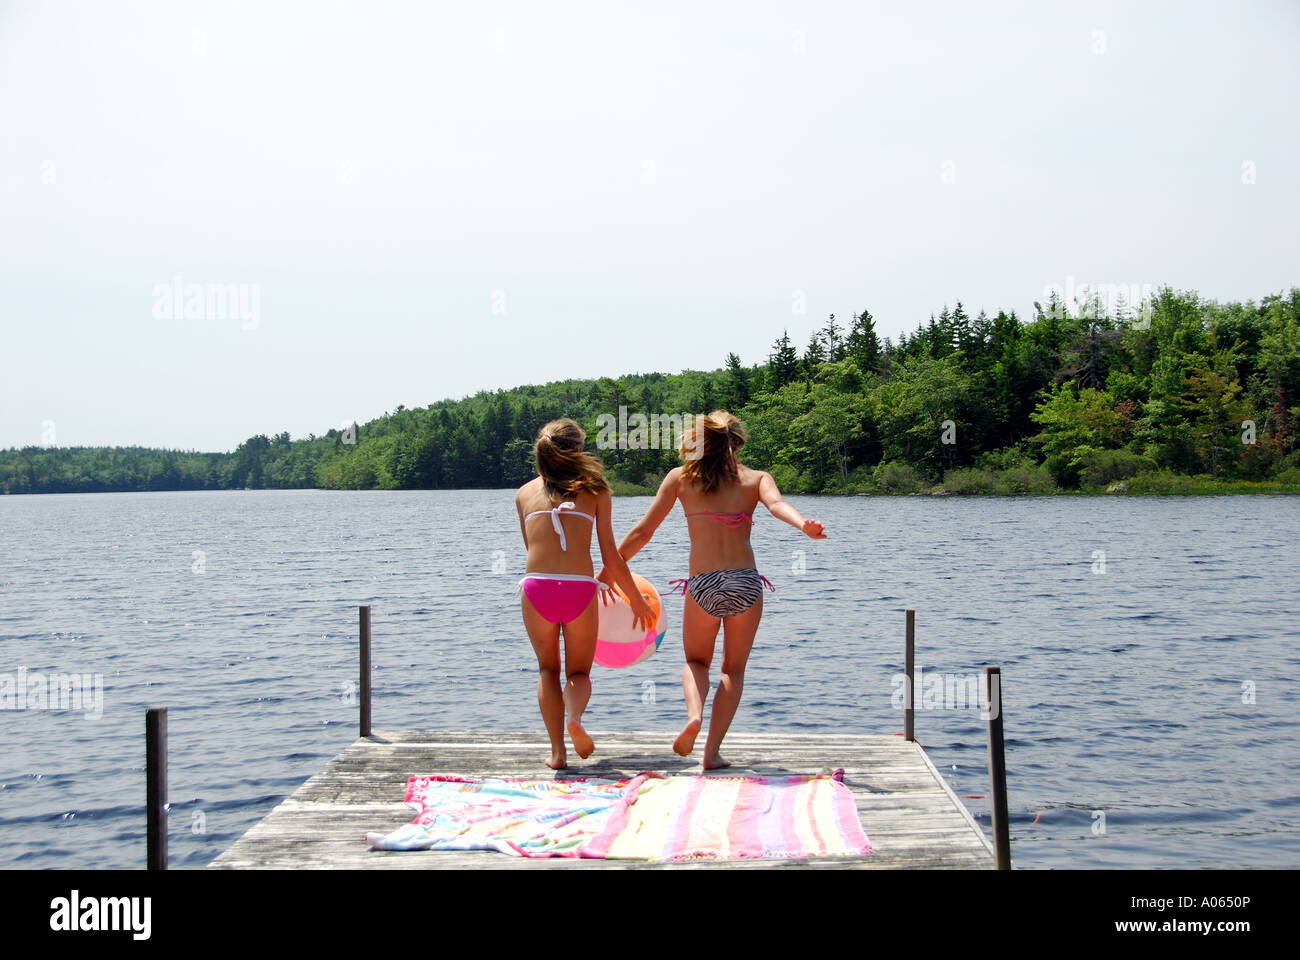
x,y
557,511
718,495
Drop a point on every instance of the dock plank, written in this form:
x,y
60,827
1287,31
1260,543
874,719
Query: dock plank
x,y
910,815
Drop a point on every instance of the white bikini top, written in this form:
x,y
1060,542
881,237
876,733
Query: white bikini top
x,y
568,507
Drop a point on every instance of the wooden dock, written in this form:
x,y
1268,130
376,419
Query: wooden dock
x,y
909,813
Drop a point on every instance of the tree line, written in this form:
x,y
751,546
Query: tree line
x,y
1080,396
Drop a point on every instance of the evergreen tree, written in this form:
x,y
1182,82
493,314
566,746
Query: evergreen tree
x,y
783,366
736,390
1171,389
981,331
862,345
1120,308
708,399
962,335
835,347
941,339
814,356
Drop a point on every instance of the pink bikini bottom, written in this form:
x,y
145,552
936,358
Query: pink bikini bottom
x,y
559,597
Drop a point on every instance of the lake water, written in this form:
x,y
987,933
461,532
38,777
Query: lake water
x,y
1150,695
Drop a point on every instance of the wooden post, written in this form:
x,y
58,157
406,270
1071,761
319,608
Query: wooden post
x,y
909,662
997,767
155,792
365,670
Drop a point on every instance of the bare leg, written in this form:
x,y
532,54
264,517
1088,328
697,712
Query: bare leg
x,y
737,641
699,635
545,637
579,651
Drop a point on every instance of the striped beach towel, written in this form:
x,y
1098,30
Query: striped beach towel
x,y
524,818
733,818
647,817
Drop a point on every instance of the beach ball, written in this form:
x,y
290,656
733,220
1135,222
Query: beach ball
x,y
619,643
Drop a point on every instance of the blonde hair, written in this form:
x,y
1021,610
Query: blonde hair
x,y
565,468
708,448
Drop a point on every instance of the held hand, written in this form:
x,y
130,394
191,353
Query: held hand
x,y
605,578
814,529
643,616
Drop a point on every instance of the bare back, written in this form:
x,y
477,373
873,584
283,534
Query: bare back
x,y
720,543
544,552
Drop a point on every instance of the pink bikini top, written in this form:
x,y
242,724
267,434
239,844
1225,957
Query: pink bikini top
x,y
729,519
568,507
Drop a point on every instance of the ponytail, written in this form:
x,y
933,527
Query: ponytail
x,y
709,449
565,468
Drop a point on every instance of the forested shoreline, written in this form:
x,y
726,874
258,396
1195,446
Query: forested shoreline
x,y
1183,395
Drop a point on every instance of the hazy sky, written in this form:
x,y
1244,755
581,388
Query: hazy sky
x,y
425,200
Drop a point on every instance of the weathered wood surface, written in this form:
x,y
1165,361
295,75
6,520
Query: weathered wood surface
x,y
911,817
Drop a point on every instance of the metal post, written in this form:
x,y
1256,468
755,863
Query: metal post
x,y
909,703
997,767
365,670
155,749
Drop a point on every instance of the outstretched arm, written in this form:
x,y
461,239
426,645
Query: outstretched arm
x,y
771,498
616,566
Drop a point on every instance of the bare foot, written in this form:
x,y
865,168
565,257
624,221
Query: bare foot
x,y
685,741
558,760
715,762
582,743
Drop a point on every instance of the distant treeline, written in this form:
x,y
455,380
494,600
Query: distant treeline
x,y
1082,395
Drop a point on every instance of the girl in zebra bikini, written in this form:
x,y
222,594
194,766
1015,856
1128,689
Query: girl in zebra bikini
x,y
718,495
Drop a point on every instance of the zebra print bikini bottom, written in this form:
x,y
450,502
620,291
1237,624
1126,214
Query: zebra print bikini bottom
x,y
725,593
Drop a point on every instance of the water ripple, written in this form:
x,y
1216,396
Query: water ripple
x,y
1156,697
